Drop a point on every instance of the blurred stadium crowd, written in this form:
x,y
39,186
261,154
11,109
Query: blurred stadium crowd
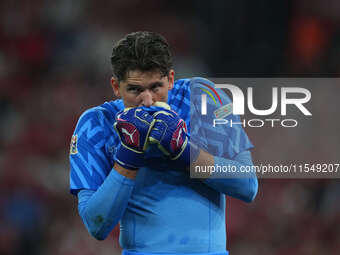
x,y
54,64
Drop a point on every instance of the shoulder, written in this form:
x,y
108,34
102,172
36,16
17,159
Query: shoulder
x,y
106,110
191,83
183,87
192,88
97,118
199,86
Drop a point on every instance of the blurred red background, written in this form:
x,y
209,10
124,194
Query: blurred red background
x,y
55,63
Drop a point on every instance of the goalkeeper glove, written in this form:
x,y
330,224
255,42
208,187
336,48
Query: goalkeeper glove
x,y
133,126
171,136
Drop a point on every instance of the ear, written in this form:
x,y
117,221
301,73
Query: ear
x,y
171,79
115,86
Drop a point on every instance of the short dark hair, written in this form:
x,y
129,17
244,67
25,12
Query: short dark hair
x,y
144,51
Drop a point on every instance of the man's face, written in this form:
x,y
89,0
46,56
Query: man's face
x,y
143,88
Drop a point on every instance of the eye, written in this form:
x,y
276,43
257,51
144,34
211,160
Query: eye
x,y
135,90
156,87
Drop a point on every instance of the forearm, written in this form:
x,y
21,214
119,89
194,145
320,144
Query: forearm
x,y
235,184
101,210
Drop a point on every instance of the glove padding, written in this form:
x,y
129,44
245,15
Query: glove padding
x,y
133,126
170,134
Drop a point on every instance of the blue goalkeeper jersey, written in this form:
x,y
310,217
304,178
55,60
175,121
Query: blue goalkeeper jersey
x,y
166,211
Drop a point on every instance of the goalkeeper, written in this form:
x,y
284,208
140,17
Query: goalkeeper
x,y
130,157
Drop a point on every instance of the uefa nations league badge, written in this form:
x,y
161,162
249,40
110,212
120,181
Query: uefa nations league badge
x,y
224,111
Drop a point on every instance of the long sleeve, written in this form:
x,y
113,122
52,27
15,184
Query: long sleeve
x,y
243,187
101,210
228,143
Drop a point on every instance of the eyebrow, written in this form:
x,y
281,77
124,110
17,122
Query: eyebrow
x,y
153,84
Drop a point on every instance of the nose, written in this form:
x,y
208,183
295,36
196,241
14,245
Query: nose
x,y
146,98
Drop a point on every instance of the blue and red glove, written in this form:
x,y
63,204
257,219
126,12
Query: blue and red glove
x,y
170,134
133,126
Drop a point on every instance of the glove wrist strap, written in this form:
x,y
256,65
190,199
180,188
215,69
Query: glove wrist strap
x,y
134,158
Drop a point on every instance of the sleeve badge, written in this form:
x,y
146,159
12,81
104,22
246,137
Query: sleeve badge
x,y
73,145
